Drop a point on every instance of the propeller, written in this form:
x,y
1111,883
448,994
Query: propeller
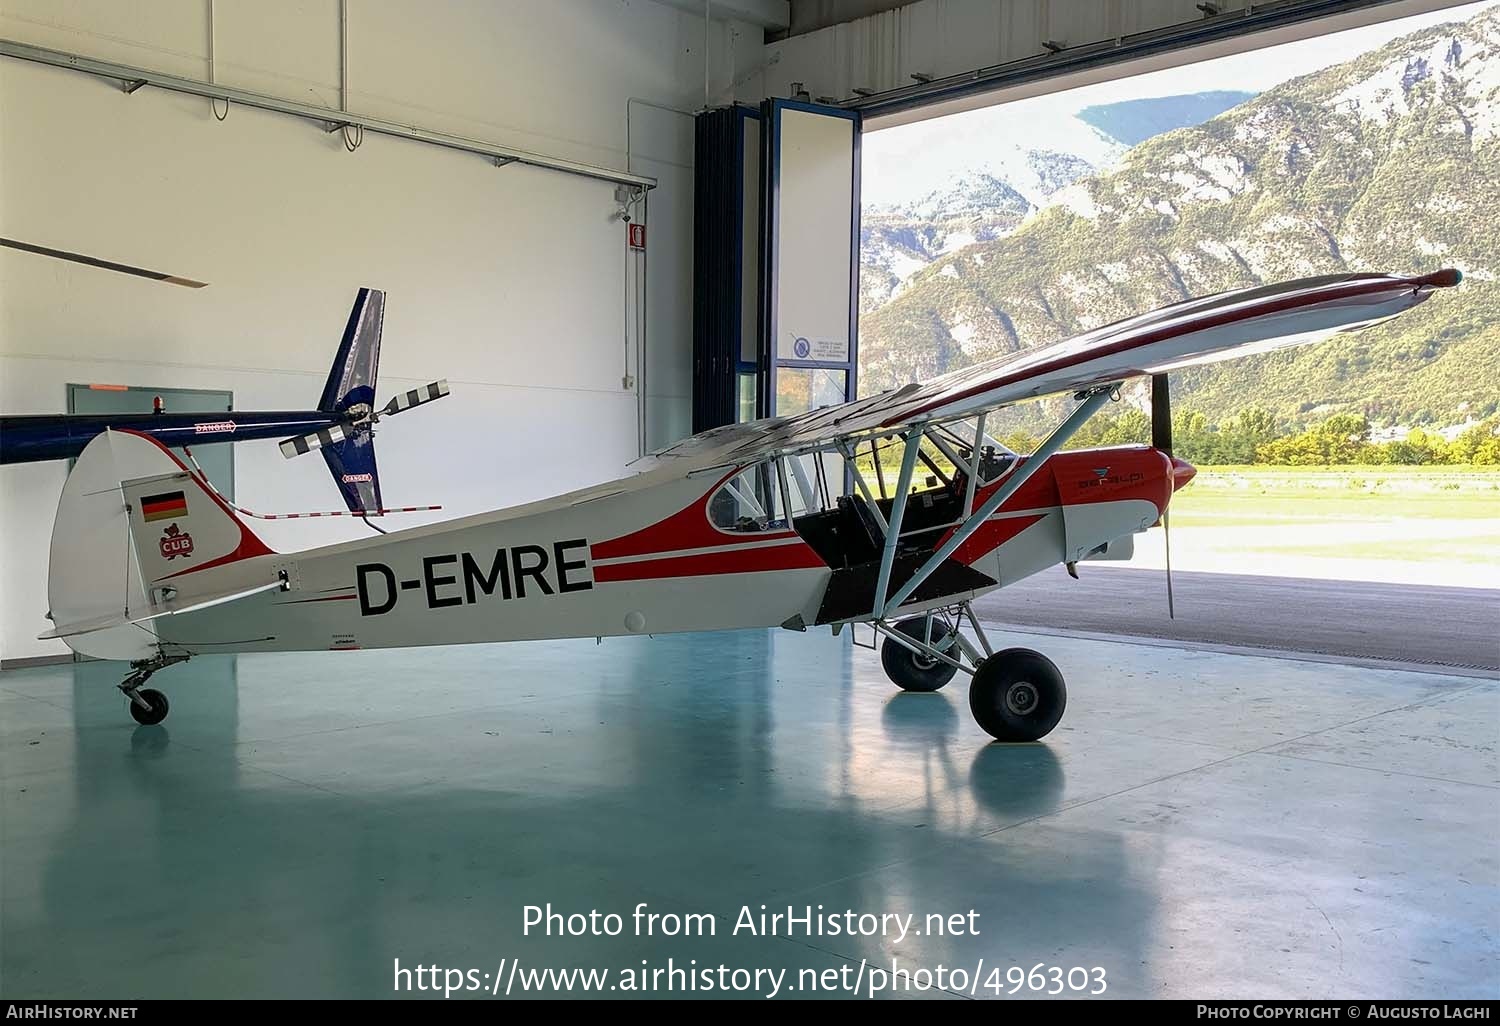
x,y
342,432
1161,438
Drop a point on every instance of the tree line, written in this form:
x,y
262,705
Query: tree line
x,y
1253,436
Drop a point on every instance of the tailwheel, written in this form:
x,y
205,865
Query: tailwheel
x,y
1017,695
918,671
148,706
153,711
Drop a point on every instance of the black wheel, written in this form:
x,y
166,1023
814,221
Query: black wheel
x,y
1017,695
914,671
157,712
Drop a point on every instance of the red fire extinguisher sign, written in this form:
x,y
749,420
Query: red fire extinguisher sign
x,y
637,236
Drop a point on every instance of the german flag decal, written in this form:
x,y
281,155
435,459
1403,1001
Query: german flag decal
x,y
164,506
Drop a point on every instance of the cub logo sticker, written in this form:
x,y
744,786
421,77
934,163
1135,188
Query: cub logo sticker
x,y
166,506
176,542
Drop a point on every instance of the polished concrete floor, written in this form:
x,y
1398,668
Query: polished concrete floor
x,y
1200,824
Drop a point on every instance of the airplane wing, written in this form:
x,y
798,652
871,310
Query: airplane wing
x,y
1190,333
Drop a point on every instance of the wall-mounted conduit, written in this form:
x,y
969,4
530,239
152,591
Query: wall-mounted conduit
x,y
310,112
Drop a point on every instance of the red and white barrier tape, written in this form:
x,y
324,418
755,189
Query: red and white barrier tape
x,y
203,479
332,513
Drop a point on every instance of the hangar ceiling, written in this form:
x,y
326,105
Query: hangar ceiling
x,y
899,62
811,15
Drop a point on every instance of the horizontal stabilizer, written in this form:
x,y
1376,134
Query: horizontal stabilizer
x,y
170,608
72,630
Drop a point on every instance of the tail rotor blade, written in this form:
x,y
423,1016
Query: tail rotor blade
x,y
314,440
416,397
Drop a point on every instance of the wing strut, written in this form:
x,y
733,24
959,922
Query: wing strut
x,y
850,454
976,455
1092,401
898,513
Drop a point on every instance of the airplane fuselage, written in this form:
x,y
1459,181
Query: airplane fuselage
x,y
566,568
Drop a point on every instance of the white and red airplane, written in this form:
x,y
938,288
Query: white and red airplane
x,y
743,526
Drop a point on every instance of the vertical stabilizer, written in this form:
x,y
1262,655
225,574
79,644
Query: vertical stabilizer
x,y
351,380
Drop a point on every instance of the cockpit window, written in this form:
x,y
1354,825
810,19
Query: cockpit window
x,y
749,502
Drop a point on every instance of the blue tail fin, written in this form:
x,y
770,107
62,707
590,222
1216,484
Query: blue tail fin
x,y
352,464
351,383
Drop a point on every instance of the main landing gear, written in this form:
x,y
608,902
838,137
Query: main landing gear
x,y
148,706
1016,694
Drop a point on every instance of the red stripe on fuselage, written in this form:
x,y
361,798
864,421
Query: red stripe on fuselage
x,y
992,534
1079,477
688,528
708,564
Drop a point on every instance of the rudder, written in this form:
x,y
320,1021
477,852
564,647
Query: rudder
x,y
108,558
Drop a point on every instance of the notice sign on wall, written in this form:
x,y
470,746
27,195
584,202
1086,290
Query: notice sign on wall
x,y
813,348
637,236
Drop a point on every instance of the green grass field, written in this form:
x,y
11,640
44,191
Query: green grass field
x,y
1398,523
1226,495
1427,515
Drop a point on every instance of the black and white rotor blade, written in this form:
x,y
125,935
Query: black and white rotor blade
x,y
314,440
107,265
416,397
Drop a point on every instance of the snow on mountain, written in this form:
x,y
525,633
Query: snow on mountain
x,y
993,181
1387,161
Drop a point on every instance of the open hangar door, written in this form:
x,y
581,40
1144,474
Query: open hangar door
x,y
810,256
777,252
898,65
1236,151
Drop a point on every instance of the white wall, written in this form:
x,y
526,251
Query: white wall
x,y
512,282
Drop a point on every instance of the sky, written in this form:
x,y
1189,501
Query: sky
x,y
907,162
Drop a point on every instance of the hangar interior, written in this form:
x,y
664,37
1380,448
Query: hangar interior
x,y
577,222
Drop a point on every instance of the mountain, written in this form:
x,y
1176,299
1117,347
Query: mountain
x,y
897,241
1134,121
1009,181
1388,162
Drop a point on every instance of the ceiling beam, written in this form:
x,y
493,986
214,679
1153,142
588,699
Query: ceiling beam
x,y
772,15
